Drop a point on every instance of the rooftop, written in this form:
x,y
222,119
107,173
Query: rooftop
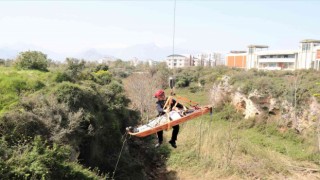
x,y
237,52
310,41
176,55
277,52
257,46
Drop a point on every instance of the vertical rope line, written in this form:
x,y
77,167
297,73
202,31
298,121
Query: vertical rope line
x,y
174,26
200,134
125,139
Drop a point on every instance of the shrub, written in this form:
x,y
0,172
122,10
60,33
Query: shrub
x,y
101,67
32,60
39,160
74,68
194,88
60,77
103,77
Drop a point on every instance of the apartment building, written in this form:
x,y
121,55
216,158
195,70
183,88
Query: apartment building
x,y
317,61
258,56
210,59
179,61
277,60
187,60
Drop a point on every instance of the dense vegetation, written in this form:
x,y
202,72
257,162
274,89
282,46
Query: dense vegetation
x,y
52,120
67,121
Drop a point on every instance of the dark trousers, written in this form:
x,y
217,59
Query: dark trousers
x,y
174,134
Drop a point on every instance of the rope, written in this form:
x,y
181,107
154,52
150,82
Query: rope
x,y
125,139
200,134
211,114
173,40
174,26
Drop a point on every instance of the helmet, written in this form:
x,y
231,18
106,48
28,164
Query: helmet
x,y
158,93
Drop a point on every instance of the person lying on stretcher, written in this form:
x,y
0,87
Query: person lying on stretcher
x,y
175,114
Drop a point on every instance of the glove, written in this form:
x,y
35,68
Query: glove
x,y
166,110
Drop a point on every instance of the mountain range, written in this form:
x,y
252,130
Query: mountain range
x,y
140,51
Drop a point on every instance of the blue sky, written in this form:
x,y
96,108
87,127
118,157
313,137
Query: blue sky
x,y
75,26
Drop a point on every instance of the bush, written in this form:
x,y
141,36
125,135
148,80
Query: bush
x,y
194,89
182,82
74,68
38,160
60,77
101,67
2,62
103,77
32,60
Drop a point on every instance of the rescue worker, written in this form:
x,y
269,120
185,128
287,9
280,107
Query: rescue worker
x,y
160,95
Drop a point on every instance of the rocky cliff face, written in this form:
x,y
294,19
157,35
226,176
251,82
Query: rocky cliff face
x,y
257,104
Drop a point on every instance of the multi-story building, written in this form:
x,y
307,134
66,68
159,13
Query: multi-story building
x,y
277,60
237,59
179,61
207,59
317,62
258,56
187,60
307,53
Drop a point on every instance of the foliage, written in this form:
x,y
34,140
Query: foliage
x,y
194,88
62,76
285,84
160,73
14,84
74,68
225,145
32,60
140,88
102,67
38,160
89,116
83,107
103,77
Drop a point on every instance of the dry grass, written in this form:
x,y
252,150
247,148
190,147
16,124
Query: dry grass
x,y
223,152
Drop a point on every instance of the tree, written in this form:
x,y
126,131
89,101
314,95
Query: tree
x,y
32,60
162,75
140,88
74,68
2,62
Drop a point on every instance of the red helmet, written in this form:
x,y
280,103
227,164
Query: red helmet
x,y
158,93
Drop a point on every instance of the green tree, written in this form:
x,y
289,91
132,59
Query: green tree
x,y
74,68
2,62
32,60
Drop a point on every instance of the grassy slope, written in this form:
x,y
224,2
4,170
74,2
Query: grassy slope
x,y
13,83
215,148
222,150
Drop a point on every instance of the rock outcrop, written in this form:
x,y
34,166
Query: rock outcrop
x,y
257,104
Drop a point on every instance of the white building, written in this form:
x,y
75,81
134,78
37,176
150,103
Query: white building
x,y
277,60
207,59
179,61
317,61
258,56
197,61
307,53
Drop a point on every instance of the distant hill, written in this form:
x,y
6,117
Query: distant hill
x,y
141,51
